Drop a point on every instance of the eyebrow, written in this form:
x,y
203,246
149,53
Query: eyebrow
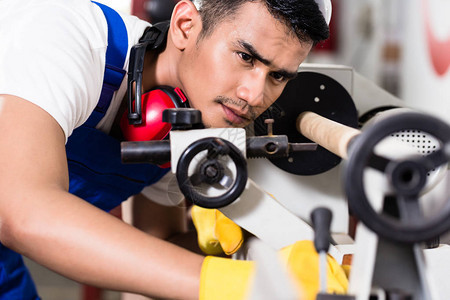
x,y
253,52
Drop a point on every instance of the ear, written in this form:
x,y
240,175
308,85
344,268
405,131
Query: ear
x,y
185,23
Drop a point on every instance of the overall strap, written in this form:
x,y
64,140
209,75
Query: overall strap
x,y
116,53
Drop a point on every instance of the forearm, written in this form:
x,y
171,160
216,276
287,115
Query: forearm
x,y
90,246
41,220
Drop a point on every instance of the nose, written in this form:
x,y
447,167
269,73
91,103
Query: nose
x,y
251,88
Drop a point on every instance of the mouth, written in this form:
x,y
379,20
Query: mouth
x,y
235,117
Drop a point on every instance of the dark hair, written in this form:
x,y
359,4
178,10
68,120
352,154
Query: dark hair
x,y
303,17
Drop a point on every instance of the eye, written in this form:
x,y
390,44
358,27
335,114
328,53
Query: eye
x,y
246,57
278,77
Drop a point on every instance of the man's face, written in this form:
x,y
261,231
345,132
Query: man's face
x,y
238,71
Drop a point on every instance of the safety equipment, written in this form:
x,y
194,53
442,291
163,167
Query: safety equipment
x,y
216,233
223,279
159,10
154,103
302,260
144,111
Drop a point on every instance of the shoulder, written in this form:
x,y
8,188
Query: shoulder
x,y
76,20
135,29
55,56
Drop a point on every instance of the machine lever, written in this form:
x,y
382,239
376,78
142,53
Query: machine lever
x,y
321,220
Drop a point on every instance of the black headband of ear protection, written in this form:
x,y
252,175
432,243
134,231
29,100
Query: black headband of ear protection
x,y
153,38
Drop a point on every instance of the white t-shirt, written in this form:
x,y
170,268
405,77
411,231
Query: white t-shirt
x,y
52,54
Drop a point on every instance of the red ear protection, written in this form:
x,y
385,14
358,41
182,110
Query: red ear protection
x,y
154,103
142,121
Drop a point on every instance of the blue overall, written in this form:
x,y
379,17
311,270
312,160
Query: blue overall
x,y
96,172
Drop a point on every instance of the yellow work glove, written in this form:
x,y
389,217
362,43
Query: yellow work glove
x,y
224,279
303,263
216,233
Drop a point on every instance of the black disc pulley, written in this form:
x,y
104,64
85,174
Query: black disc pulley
x,y
211,171
318,93
407,179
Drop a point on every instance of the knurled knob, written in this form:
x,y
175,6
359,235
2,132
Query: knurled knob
x,y
182,118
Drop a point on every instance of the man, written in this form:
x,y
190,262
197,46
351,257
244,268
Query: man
x,y
232,60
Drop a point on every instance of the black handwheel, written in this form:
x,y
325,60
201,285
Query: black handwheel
x,y
211,170
407,179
